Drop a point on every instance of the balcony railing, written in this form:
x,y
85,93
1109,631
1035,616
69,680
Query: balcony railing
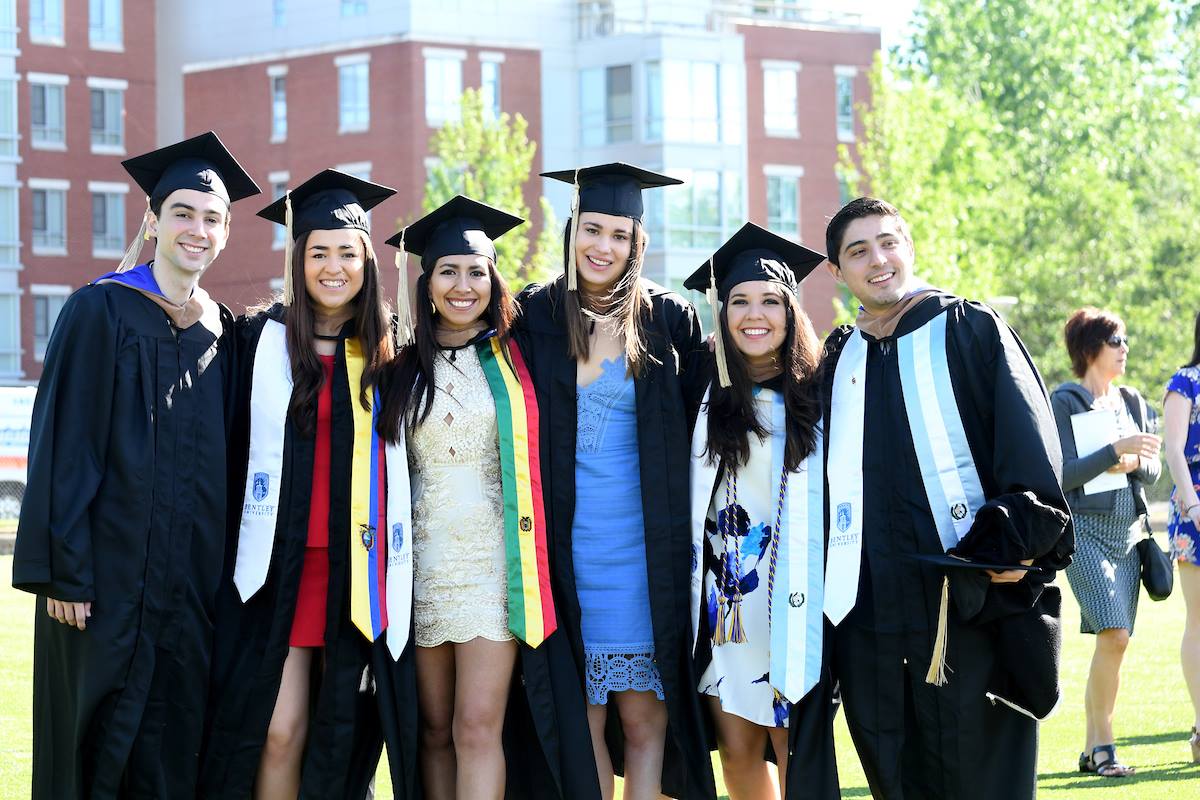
x,y
602,18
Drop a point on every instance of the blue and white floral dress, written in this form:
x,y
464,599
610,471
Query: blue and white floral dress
x,y
738,673
1185,539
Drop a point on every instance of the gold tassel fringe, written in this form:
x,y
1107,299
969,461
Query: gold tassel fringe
x,y
718,338
130,259
737,632
572,278
289,291
718,635
937,664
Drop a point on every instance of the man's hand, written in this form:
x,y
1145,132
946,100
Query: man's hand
x,y
1010,575
73,614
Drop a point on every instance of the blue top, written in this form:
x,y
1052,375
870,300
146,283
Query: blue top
x,y
608,536
1187,383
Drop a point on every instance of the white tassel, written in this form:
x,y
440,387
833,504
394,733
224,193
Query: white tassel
x,y
130,259
289,291
572,279
718,339
404,321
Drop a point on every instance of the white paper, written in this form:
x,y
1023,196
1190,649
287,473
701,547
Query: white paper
x,y
1095,430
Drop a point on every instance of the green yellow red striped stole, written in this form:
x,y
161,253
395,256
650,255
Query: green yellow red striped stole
x,y
530,605
368,566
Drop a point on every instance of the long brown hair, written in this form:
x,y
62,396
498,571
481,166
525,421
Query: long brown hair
x,y
731,411
371,326
409,385
627,301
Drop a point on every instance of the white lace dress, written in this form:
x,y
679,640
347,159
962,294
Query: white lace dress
x,y
459,584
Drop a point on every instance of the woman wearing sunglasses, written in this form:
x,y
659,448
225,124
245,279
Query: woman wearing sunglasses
x,y
1104,489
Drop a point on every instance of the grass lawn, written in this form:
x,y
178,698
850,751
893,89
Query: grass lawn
x,y
1152,711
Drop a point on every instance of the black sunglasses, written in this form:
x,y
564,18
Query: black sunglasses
x,y
1117,341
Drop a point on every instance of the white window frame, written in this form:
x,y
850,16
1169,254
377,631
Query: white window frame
x,y
37,36
117,46
607,123
107,85
494,60
354,60
444,110
14,321
792,130
46,80
10,139
10,250
109,188
277,72
40,291
788,172
844,133
49,185
8,28
275,179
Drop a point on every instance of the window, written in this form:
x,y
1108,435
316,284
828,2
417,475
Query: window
x,y
47,303
9,227
108,218
606,97
700,214
845,103
104,24
690,112
107,113
360,170
47,111
847,185
279,185
10,334
278,13
46,21
8,118
49,216
779,98
354,8
8,27
354,101
490,87
443,88
279,107
783,205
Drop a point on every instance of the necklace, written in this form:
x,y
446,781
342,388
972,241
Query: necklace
x,y
325,337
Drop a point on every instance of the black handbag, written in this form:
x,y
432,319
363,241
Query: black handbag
x,y
1158,573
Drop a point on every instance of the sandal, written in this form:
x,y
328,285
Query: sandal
x,y
1085,763
1194,742
1109,767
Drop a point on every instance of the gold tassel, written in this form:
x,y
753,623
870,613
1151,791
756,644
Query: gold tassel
x,y
937,664
572,279
737,633
404,321
718,339
289,291
718,635
130,259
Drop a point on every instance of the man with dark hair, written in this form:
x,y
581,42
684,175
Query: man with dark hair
x,y
122,527
946,524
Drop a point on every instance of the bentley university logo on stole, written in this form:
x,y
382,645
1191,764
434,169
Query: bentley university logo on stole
x,y
843,516
262,483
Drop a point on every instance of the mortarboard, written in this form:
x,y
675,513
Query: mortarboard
x,y
461,226
328,201
201,163
751,254
614,189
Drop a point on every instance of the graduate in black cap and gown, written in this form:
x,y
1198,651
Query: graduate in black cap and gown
x,y
941,444
616,361
122,525
313,609
758,519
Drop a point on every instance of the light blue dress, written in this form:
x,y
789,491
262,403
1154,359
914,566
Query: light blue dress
x,y
608,540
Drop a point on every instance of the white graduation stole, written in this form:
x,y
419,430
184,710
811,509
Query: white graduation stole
x,y
948,473
270,395
797,627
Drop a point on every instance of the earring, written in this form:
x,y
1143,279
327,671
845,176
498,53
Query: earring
x,y
432,308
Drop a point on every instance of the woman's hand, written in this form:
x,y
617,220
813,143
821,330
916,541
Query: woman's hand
x,y
1126,464
1140,444
73,614
1194,515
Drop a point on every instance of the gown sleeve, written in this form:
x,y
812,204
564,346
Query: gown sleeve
x,y
695,362
68,443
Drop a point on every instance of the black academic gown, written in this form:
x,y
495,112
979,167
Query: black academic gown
x,y
667,395
917,740
361,696
124,507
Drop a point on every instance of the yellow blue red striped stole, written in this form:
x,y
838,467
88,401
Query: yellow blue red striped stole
x,y
531,615
368,504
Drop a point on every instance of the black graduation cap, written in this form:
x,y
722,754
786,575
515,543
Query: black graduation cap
x,y
754,254
612,188
328,201
459,227
751,254
202,163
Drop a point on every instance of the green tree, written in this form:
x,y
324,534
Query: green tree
x,y
489,159
1046,150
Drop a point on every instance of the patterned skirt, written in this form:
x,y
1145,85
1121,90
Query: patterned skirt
x,y
1105,569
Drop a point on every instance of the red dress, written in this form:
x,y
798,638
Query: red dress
x,y
308,625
